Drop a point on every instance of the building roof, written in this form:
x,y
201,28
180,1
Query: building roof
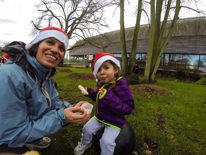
x,y
189,30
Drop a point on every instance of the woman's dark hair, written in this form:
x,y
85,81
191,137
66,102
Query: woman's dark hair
x,y
33,49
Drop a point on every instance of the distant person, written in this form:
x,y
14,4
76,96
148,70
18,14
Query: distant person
x,y
136,68
114,101
30,108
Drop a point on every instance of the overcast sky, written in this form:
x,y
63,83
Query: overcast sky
x,y
16,16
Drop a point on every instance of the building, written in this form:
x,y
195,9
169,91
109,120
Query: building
x,y
187,46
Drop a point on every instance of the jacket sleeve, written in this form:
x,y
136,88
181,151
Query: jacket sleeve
x,y
55,102
120,102
92,94
16,127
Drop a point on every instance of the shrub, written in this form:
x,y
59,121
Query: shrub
x,y
133,79
184,75
181,75
194,76
202,81
141,72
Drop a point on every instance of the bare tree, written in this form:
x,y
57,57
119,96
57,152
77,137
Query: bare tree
x,y
158,37
160,12
78,18
127,67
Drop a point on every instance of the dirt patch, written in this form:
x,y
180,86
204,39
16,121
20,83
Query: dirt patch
x,y
81,76
148,89
141,89
65,70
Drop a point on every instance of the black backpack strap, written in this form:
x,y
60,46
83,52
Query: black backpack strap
x,y
16,50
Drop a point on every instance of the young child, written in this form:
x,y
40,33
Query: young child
x,y
114,101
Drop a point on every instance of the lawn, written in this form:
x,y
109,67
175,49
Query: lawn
x,y
168,125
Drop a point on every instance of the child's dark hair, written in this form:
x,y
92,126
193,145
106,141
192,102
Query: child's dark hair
x,y
117,75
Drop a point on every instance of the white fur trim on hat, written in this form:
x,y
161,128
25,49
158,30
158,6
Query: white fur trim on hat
x,y
49,33
101,60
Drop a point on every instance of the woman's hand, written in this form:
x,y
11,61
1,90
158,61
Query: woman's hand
x,y
80,103
71,117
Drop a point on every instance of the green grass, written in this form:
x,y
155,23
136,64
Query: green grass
x,y
175,122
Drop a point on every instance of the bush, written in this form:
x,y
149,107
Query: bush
x,y
202,81
181,75
194,76
133,79
141,71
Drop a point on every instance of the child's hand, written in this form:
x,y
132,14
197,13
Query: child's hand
x,y
101,91
84,91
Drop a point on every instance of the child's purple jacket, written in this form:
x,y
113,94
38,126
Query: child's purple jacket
x,y
114,104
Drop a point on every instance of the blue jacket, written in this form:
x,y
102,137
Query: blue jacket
x,y
29,105
114,104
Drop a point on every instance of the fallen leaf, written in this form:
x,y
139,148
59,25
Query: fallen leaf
x,y
148,152
159,124
154,145
172,137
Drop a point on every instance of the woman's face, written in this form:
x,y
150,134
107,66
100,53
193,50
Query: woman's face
x,y
50,52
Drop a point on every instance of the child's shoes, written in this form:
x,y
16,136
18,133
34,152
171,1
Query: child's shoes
x,y
80,148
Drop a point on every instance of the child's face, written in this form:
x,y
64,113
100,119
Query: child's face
x,y
106,72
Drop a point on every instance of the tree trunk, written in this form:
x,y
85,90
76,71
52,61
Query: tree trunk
x,y
156,45
161,50
151,43
123,40
135,38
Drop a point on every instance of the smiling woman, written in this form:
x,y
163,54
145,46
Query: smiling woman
x,y
30,96
49,46
50,52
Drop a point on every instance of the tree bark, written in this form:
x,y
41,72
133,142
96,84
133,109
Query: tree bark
x,y
156,45
135,38
151,43
161,50
123,40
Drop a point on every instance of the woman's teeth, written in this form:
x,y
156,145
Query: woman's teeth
x,y
49,56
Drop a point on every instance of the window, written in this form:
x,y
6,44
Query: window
x,y
203,60
193,61
202,63
138,57
164,60
119,56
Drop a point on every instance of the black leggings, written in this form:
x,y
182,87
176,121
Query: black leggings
x,y
5,149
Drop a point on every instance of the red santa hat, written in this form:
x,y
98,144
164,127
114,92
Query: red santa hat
x,y
100,58
7,56
55,32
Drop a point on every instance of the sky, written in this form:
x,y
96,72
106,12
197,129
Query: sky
x,y
16,16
